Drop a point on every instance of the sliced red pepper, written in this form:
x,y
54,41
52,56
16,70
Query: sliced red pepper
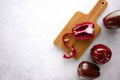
x,y
65,41
82,31
72,53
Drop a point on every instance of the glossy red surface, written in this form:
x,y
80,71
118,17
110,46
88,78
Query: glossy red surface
x,y
83,31
101,54
88,70
66,40
112,20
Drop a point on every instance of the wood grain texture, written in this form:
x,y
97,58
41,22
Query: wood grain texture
x,y
78,17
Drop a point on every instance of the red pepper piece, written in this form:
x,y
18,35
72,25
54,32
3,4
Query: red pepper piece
x,y
83,31
101,54
72,53
88,71
65,42
112,20
65,39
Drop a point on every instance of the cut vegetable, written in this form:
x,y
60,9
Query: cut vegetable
x,y
82,31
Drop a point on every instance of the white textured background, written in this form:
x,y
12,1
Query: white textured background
x,y
27,31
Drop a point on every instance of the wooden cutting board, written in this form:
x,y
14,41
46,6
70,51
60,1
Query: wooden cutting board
x,y
78,17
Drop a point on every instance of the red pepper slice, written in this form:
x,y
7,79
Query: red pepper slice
x,y
72,53
65,41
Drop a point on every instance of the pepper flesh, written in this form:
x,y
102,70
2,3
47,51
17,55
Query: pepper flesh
x,y
65,41
72,53
82,31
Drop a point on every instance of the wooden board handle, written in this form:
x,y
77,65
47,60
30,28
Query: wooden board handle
x,y
97,9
